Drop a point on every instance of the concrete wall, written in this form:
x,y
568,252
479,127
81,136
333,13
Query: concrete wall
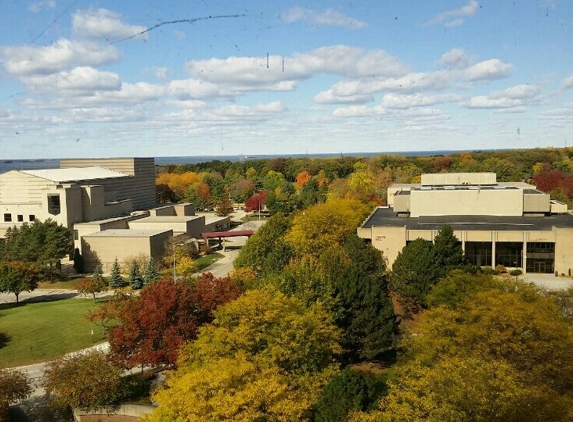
x,y
453,179
140,188
105,249
563,250
536,203
127,409
192,226
388,240
501,202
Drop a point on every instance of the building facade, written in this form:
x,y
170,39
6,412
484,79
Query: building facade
x,y
511,224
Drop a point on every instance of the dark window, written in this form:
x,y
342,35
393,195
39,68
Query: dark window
x,y
7,217
509,254
54,204
478,253
76,235
31,217
20,217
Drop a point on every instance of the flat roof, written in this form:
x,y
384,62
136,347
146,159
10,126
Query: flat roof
x,y
166,219
386,217
75,174
127,233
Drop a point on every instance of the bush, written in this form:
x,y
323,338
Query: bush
x,y
500,269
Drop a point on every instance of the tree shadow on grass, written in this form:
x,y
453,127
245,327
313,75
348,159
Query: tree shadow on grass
x,y
42,298
35,409
4,339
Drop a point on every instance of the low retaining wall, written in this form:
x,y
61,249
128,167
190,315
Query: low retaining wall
x,y
129,410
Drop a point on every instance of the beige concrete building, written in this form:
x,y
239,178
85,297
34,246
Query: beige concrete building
x,y
107,203
512,224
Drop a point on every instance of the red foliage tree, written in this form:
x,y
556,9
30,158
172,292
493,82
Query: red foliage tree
x,y
152,326
302,179
548,181
256,202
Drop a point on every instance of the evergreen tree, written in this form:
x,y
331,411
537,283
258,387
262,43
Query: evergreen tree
x,y
116,281
135,279
224,206
347,391
150,274
78,261
448,252
414,272
367,315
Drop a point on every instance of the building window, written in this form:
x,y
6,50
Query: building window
x,y
20,217
54,204
31,217
509,254
7,218
76,235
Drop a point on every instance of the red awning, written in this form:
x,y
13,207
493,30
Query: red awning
x,y
235,233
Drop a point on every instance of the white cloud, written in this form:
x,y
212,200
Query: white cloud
x,y
78,81
568,82
488,102
454,17
238,75
517,92
128,95
39,6
61,55
357,111
456,58
328,17
488,70
348,91
393,101
103,23
328,97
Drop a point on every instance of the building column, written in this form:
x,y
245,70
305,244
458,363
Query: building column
x,y
524,253
493,239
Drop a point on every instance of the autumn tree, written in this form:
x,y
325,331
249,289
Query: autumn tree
x,y
302,179
325,224
84,381
14,386
256,202
90,286
265,358
152,326
17,277
224,206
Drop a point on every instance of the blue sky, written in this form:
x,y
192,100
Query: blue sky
x,y
103,78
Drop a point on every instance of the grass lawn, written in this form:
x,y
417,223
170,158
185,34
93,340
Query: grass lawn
x,y
205,261
62,284
34,332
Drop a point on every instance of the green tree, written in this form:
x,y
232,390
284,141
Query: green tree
x,y
17,277
14,386
135,278
78,261
41,243
346,392
116,281
265,251
414,272
448,252
84,381
150,274
224,206
367,315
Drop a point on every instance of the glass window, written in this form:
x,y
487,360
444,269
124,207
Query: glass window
x,y
54,204
31,217
7,217
20,217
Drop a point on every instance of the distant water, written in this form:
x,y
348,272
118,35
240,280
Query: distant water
x,y
49,163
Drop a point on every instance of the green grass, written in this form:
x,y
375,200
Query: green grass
x,y
62,284
35,332
205,261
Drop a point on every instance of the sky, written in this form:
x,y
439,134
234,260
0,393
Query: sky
x,y
103,78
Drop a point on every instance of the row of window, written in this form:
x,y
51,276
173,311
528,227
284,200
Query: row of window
x,y
20,218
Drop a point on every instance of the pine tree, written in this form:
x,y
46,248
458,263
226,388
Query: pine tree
x,y
135,279
448,252
116,281
150,274
224,206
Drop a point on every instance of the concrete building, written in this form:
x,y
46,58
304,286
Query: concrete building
x,y
511,224
107,203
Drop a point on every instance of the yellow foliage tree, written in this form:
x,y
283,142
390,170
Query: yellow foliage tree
x,y
326,224
265,358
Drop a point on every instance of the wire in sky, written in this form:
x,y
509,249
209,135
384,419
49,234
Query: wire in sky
x,y
53,22
191,21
